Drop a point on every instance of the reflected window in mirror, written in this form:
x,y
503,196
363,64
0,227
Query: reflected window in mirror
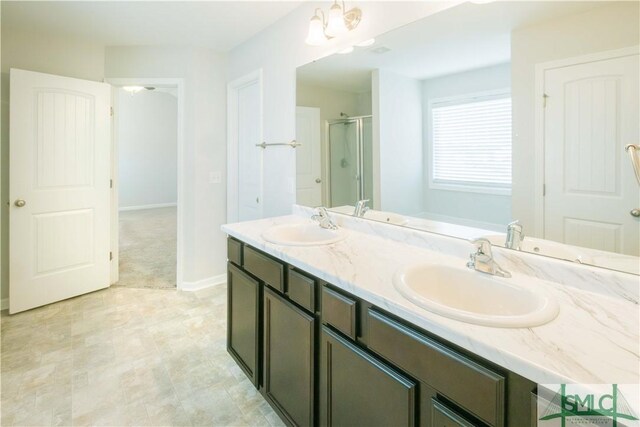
x,y
470,143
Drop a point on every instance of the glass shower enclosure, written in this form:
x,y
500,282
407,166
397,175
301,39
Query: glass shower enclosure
x,y
350,160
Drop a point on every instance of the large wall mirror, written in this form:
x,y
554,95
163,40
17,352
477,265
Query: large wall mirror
x,y
482,115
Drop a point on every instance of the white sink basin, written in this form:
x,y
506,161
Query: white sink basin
x,y
305,234
388,217
474,297
545,247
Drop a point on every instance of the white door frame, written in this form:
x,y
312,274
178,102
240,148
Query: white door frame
x,y
148,81
541,68
233,89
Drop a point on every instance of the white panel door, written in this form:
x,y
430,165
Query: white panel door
x,y
308,161
59,188
249,156
591,113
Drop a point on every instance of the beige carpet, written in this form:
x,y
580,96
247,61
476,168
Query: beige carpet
x,y
148,248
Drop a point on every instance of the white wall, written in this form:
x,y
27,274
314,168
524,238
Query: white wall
x,y
278,50
485,208
147,148
204,139
331,103
605,28
45,53
397,143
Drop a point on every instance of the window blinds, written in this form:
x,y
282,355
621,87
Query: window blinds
x,y
471,142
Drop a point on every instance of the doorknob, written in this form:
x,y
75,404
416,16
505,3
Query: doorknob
x,y
20,203
635,212
318,180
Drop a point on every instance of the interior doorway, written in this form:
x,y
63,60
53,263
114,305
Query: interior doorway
x,y
147,170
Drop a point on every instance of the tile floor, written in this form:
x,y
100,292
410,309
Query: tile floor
x,y
125,356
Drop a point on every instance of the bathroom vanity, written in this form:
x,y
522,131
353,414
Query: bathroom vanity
x,y
324,335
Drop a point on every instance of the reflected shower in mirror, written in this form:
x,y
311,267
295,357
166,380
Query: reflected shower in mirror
x,y
350,162
506,120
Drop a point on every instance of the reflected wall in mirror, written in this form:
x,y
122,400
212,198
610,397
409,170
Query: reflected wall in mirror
x,y
482,115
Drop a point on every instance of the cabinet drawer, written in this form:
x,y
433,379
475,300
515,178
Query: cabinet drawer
x,y
270,271
441,416
339,311
301,290
469,385
234,251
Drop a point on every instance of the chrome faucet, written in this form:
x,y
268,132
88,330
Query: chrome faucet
x,y
323,219
515,235
482,260
361,208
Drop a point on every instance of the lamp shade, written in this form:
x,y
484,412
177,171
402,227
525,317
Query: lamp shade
x,y
316,35
335,23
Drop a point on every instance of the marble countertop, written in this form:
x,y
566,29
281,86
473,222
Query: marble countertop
x,y
594,339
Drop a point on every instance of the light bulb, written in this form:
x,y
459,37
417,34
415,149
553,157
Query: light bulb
x,y
316,35
133,89
335,23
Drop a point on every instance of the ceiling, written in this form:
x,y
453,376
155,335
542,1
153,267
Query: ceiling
x,y
218,25
458,39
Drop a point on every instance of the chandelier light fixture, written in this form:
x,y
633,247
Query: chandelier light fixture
x,y
337,22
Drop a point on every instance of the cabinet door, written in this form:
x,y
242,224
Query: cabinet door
x,y
289,337
356,389
243,331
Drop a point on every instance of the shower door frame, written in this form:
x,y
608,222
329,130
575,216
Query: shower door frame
x,y
359,121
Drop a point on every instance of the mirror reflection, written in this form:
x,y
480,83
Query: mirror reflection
x,y
510,125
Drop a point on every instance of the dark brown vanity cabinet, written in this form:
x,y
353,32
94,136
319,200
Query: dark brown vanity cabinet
x,y
356,389
289,359
323,357
272,330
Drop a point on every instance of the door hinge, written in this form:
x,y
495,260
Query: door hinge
x,y
544,100
111,111
110,256
110,183
544,189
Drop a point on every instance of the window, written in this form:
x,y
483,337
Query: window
x,y
471,143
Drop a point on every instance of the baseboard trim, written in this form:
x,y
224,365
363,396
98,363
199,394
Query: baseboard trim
x,y
4,304
220,279
141,207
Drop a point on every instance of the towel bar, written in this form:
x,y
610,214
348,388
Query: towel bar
x,y
292,144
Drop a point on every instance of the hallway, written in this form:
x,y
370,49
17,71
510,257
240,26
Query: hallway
x,y
148,248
